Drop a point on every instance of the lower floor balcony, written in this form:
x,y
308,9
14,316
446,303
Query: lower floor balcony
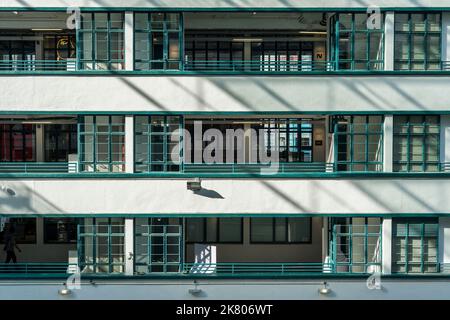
x,y
223,247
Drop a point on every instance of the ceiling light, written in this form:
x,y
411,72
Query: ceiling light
x,y
325,289
313,32
247,40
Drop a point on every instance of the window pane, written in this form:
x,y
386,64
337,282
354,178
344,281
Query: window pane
x,y
230,230
18,230
195,231
261,229
299,230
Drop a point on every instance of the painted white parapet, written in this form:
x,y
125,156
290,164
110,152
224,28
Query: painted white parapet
x,y
227,196
224,93
219,3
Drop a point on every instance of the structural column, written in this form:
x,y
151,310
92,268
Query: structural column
x,y
129,40
388,142
445,37
444,144
444,244
40,145
386,246
389,44
129,144
129,246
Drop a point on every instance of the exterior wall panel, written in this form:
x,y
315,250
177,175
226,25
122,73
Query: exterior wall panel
x,y
224,93
364,196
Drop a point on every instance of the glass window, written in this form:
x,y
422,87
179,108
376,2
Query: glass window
x,y
158,41
280,230
417,41
60,230
214,230
60,141
416,143
101,41
358,143
23,229
415,245
356,44
102,143
158,143
17,142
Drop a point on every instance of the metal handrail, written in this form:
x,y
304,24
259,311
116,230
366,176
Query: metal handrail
x,y
235,268
259,65
290,167
38,65
34,268
35,167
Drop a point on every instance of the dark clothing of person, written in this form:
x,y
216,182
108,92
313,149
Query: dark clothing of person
x,y
11,256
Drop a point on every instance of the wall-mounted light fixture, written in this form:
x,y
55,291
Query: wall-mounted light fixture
x,y
64,291
194,185
325,289
196,291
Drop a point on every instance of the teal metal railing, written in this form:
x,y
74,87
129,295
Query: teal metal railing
x,y
257,168
36,167
256,268
38,65
38,268
258,65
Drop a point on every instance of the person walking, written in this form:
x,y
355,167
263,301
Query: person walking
x,y
10,244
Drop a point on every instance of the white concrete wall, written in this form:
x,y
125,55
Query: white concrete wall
x,y
240,289
231,196
224,93
224,3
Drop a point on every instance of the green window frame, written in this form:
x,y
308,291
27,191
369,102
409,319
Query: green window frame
x,y
281,230
358,143
416,143
417,41
356,245
100,41
101,245
214,230
158,41
158,143
415,245
101,143
353,45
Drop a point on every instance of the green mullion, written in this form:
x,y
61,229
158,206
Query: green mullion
x,y
351,142
181,41
422,243
165,143
406,249
149,249
164,236
366,236
108,43
424,143
150,40
337,37
165,42
149,143
425,41
366,147
350,246
352,45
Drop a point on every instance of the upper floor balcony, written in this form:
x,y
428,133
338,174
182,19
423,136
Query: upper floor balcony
x,y
223,42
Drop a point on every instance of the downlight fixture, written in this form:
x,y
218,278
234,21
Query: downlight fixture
x,y
324,290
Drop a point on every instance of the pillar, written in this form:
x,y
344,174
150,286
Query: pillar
x,y
386,247
129,246
388,142
444,142
40,145
129,40
389,43
445,37
129,144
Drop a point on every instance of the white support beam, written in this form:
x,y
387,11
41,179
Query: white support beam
x,y
388,142
444,146
444,243
445,36
40,141
129,41
389,30
386,247
129,247
129,144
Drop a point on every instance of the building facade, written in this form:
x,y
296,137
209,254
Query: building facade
x,y
225,149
